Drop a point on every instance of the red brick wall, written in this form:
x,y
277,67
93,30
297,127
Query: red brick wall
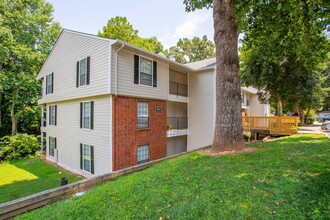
x,y
127,137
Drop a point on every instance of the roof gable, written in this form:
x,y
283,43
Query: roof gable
x,y
58,43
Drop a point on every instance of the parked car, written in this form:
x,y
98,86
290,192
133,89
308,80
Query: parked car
x,y
325,125
323,117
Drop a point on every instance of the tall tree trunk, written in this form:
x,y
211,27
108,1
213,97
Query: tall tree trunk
x,y
0,110
279,109
307,115
14,119
228,131
301,116
0,98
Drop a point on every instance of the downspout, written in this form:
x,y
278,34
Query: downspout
x,y
122,46
113,167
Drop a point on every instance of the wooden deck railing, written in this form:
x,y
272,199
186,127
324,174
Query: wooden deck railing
x,y
285,125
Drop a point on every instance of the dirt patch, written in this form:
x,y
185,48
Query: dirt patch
x,y
215,154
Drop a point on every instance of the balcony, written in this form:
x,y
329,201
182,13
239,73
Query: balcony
x,y
177,126
178,91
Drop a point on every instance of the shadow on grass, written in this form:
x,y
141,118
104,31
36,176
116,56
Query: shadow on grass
x,y
40,176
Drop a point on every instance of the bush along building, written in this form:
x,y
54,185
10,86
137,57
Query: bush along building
x,y
108,105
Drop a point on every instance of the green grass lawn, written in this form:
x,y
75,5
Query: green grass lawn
x,y
287,178
28,176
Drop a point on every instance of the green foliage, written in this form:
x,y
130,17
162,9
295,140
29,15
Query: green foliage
x,y
283,61
247,136
27,33
326,84
287,178
120,28
28,176
311,117
29,122
192,5
187,50
18,146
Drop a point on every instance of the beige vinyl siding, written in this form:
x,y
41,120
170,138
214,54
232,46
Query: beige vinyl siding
x,y
69,135
126,86
201,109
176,109
256,108
178,77
70,48
176,145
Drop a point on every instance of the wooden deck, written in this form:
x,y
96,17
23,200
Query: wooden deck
x,y
286,125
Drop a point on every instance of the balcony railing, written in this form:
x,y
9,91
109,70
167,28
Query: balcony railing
x,y
178,89
177,122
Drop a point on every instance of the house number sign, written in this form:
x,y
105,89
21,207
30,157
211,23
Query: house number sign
x,y
158,110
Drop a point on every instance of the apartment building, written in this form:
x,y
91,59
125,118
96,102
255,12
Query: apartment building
x,y
108,105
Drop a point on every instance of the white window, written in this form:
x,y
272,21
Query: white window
x,y
52,114
83,72
242,97
143,114
142,154
52,146
49,83
87,158
145,72
87,115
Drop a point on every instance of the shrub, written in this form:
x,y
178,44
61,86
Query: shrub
x,y
247,136
311,117
18,146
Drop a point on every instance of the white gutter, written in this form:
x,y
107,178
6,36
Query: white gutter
x,y
116,78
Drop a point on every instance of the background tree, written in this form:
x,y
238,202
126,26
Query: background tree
x,y
326,84
282,60
119,28
229,16
193,50
27,34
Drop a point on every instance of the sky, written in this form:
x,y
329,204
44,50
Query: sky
x,y
165,19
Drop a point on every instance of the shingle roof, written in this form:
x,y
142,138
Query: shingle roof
x,y
202,64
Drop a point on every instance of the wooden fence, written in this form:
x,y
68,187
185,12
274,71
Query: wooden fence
x,y
285,125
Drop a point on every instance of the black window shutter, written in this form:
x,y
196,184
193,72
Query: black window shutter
x,y
77,75
81,114
52,75
92,159
81,156
88,69
55,143
55,114
92,115
155,74
136,69
49,145
49,115
46,84
45,117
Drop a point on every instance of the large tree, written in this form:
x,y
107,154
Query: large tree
x,y
282,60
326,84
27,34
119,28
196,49
229,18
228,131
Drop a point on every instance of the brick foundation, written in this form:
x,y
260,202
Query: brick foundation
x,y
127,137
